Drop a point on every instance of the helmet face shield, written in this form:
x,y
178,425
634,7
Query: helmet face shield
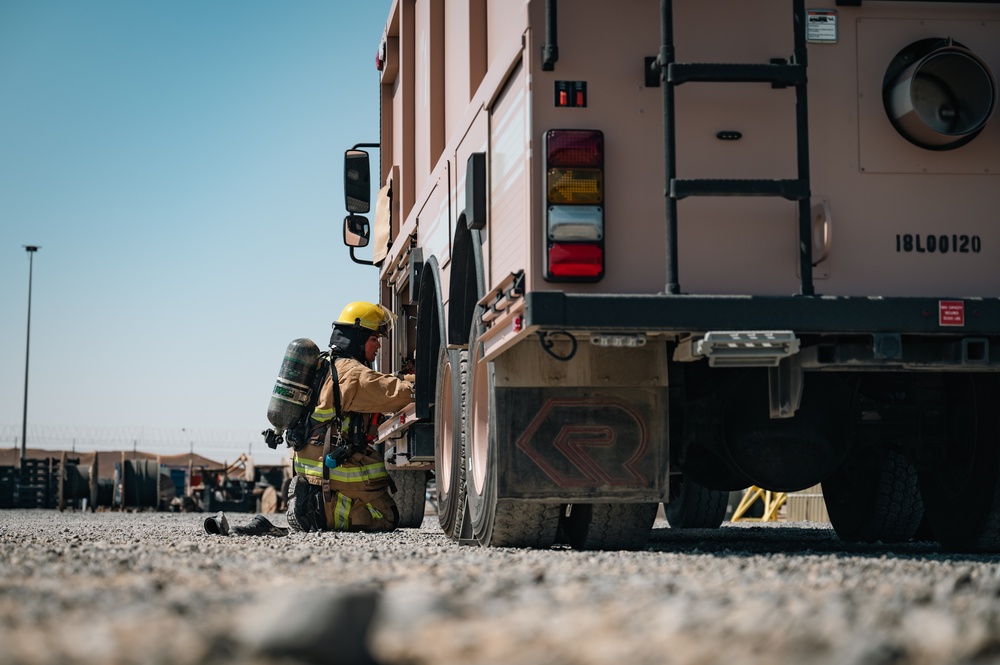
x,y
387,323
367,315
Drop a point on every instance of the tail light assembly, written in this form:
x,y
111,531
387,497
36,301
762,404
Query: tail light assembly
x,y
574,211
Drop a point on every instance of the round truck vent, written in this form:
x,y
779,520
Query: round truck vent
x,y
938,94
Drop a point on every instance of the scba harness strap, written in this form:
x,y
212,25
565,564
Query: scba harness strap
x,y
335,423
346,434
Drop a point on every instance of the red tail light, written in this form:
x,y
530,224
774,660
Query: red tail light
x,y
574,147
576,260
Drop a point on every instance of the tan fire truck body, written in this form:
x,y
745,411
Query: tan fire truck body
x,y
651,252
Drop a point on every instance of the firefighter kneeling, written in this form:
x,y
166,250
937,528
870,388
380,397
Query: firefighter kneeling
x,y
340,481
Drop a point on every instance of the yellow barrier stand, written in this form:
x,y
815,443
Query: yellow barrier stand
x,y
772,502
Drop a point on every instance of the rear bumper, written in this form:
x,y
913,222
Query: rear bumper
x,y
825,315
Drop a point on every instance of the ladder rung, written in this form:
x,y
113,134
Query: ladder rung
x,y
793,190
784,74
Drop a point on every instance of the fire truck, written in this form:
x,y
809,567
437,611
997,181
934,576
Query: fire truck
x,y
647,253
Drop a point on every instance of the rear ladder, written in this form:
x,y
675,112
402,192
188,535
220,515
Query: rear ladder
x,y
779,74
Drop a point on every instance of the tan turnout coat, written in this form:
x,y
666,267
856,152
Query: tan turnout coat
x,y
359,498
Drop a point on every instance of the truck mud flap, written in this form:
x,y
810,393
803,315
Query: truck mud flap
x,y
582,444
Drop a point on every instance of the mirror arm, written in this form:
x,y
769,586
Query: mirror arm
x,y
361,261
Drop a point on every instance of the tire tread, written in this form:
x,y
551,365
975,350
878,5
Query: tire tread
x,y
410,496
697,507
611,526
520,524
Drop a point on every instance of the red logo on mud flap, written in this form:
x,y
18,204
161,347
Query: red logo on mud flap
x,y
581,429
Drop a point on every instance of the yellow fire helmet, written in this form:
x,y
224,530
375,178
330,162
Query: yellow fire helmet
x,y
367,315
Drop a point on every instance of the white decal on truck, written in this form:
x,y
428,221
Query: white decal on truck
x,y
821,26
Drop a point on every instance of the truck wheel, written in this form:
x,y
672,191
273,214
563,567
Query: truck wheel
x,y
448,451
519,524
410,497
496,522
874,496
609,526
694,506
961,490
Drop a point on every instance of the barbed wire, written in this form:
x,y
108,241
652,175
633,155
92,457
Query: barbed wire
x,y
160,440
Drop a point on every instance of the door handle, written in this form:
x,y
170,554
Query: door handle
x,y
822,231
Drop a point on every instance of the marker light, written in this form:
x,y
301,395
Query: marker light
x,y
627,341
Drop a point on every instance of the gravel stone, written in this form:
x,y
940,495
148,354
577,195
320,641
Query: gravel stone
x,y
119,588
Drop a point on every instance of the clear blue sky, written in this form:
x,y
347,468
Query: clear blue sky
x,y
180,164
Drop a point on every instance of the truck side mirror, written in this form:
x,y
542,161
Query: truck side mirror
x,y
356,231
357,181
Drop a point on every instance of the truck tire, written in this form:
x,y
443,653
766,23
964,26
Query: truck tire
x,y
694,506
961,491
495,522
448,449
527,525
410,497
609,526
874,497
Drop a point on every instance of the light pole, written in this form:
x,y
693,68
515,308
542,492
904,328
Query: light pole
x,y
31,249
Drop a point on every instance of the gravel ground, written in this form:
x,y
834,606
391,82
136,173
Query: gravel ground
x,y
154,588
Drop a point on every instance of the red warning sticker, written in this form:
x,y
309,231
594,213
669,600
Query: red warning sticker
x,y
951,313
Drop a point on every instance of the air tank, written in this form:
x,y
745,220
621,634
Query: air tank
x,y
292,389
